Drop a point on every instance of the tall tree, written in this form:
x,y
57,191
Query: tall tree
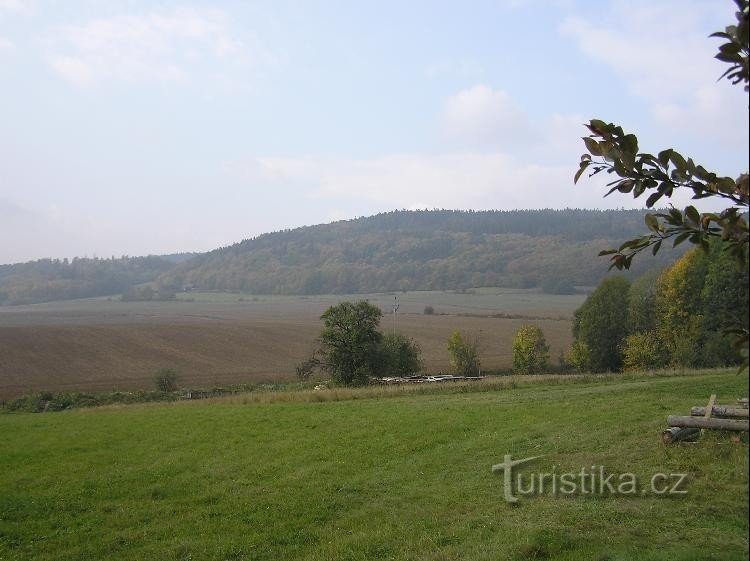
x,y
601,324
349,341
530,350
679,308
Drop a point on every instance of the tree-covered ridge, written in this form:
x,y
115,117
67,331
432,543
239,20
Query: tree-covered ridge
x,y
63,279
418,250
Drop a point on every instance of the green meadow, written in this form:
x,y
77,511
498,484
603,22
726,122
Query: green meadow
x,y
367,475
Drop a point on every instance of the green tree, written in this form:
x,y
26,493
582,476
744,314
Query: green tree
x,y
165,380
725,305
579,356
399,355
530,350
464,354
679,308
642,302
601,324
612,150
349,341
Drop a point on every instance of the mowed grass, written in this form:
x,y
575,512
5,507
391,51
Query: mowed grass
x,y
399,477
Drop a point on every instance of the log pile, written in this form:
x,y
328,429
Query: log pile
x,y
712,416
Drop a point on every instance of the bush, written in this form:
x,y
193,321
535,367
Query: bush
x,y
579,356
165,380
399,355
530,350
429,310
307,367
464,355
644,351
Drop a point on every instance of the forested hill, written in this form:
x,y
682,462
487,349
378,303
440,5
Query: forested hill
x,y
421,250
63,279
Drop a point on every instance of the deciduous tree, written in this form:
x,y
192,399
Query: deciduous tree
x,y
530,350
349,341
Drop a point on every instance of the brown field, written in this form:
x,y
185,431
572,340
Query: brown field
x,y
227,338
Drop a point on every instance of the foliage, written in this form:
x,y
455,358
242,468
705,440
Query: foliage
x,y
429,310
642,302
679,309
399,355
147,293
644,351
735,51
165,380
43,402
601,323
551,285
418,250
350,340
612,150
62,279
697,299
530,351
579,356
307,367
464,354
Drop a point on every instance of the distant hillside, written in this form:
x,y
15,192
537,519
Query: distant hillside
x,y
62,279
421,250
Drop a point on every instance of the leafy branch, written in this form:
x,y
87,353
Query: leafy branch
x,y
613,151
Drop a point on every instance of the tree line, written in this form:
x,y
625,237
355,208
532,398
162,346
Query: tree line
x,y
419,250
65,279
681,316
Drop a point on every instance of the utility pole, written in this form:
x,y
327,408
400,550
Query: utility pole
x,y
395,311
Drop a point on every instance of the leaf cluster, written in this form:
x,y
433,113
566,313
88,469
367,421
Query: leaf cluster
x,y
615,152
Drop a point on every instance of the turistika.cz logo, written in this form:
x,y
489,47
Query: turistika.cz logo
x,y
590,480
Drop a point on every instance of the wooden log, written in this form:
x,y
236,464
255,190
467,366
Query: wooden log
x,y
677,434
742,402
710,406
721,411
703,423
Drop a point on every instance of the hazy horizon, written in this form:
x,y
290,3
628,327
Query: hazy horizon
x,y
136,129
300,226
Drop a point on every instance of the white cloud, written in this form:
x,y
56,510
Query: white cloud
x,y
480,117
152,47
662,53
504,160
490,180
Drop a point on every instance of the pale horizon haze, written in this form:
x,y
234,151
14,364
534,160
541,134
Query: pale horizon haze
x,y
135,128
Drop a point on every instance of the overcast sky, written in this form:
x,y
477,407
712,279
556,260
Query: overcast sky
x,y
132,127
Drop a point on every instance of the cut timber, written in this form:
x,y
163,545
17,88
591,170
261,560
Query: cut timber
x,y
721,411
742,402
677,434
703,423
710,406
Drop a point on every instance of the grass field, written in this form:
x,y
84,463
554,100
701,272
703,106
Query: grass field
x,y
225,338
400,477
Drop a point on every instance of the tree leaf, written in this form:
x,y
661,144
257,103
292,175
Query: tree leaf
x,y
652,199
592,146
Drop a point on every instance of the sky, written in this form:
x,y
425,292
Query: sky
x,y
147,127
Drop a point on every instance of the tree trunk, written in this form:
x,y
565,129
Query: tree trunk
x,y
676,434
703,423
721,411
